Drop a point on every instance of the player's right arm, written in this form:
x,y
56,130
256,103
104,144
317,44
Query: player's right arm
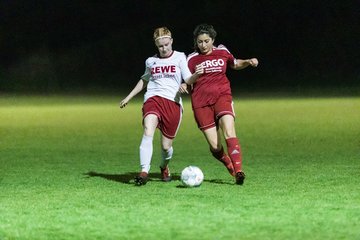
x,y
138,88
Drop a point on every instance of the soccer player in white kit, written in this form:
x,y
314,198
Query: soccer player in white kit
x,y
162,108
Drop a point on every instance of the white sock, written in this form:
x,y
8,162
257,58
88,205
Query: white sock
x,y
166,156
146,151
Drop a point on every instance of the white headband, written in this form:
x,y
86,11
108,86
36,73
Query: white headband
x,y
165,36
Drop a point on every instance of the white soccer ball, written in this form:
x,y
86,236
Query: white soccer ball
x,y
192,176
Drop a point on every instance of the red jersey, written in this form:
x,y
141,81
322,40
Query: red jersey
x,y
213,82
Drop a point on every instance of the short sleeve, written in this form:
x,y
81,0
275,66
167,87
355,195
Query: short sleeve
x,y
147,74
185,72
231,60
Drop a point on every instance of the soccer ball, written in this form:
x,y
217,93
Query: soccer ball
x,y
192,176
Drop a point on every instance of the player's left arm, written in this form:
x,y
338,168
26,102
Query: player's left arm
x,y
244,63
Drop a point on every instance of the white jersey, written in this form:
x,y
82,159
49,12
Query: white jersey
x,y
165,75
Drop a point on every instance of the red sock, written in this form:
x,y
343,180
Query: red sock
x,y
222,157
234,151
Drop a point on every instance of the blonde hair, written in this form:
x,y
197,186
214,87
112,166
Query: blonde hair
x,y
162,32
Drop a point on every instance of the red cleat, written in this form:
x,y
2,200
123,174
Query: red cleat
x,y
165,174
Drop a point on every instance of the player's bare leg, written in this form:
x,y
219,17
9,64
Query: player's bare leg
x,y
213,138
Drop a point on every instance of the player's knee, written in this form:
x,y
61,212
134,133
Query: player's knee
x,y
166,145
149,131
229,133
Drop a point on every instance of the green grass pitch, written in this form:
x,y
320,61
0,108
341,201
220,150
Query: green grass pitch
x,y
67,168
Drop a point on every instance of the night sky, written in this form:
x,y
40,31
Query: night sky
x,y
60,45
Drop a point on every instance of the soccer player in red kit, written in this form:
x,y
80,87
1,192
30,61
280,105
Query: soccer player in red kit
x,y
212,99
162,108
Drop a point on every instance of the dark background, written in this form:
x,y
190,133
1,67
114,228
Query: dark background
x,y
60,46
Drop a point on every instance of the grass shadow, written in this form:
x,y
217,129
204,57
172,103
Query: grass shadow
x,y
214,181
218,181
127,178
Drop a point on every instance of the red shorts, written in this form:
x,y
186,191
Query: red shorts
x,y
208,116
168,112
